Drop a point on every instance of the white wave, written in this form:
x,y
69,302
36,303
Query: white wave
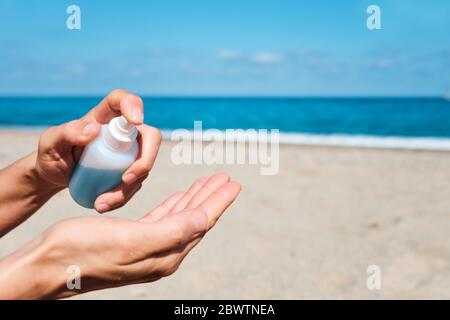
x,y
364,141
335,140
355,141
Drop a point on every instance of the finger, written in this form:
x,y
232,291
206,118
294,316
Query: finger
x,y
161,210
74,133
117,197
168,205
213,184
174,231
119,102
77,152
213,207
218,201
149,141
192,191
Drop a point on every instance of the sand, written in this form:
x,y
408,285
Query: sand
x,y
309,232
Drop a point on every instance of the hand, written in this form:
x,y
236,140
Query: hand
x,y
113,252
60,147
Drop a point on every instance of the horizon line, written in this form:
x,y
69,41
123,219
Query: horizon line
x,y
213,96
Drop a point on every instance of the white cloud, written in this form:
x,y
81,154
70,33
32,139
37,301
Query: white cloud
x,y
383,63
76,70
228,54
267,57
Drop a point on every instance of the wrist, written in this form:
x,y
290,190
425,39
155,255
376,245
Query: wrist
x,y
38,185
24,191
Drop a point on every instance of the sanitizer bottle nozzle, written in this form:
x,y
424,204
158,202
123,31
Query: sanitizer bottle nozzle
x,y
119,134
124,125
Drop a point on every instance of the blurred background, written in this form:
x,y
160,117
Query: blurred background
x,y
225,48
377,195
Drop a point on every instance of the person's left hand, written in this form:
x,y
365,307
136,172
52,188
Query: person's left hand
x,y
110,251
60,147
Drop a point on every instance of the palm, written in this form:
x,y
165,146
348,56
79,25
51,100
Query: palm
x,y
150,248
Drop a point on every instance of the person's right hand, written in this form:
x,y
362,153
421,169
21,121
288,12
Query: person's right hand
x,y
113,252
60,147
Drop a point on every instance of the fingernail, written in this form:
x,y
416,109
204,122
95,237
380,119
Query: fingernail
x,y
102,207
129,178
89,129
200,221
138,116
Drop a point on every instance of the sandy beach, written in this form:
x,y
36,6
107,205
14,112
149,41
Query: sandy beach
x,y
308,232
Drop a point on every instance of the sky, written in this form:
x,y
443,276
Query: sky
x,y
226,48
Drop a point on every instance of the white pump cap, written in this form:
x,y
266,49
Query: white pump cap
x,y
119,134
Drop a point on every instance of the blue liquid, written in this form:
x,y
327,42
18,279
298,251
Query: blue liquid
x,y
88,183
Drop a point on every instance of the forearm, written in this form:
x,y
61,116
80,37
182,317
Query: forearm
x,y
28,274
22,192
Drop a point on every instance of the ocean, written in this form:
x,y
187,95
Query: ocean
x,y
412,123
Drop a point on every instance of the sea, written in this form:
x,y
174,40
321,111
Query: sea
x,y
391,122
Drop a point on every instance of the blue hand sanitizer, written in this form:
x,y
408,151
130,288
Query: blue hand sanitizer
x,y
104,161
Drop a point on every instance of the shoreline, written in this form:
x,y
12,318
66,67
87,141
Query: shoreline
x,y
360,141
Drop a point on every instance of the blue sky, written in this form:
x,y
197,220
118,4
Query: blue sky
x,y
227,47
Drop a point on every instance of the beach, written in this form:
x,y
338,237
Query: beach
x,y
310,231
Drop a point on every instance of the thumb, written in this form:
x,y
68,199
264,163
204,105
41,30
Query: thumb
x,y
178,229
73,133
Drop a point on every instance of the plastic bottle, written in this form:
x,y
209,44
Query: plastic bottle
x,y
103,162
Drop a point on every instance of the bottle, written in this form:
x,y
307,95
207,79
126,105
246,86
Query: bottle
x,y
103,162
